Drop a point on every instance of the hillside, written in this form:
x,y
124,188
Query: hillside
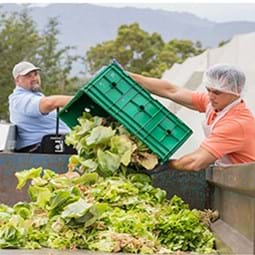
x,y
85,25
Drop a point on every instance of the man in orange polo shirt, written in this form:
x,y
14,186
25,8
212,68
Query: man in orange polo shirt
x,y
229,126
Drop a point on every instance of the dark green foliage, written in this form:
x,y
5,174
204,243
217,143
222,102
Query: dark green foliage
x,y
141,52
21,40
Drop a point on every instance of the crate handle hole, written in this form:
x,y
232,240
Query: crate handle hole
x,y
168,132
114,84
141,107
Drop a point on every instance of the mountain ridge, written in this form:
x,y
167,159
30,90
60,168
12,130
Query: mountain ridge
x,y
85,25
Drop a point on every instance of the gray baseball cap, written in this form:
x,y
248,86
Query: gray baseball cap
x,y
23,68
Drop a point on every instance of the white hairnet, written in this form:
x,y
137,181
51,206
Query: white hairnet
x,y
225,78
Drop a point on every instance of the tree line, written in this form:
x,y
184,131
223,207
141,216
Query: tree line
x,y
137,51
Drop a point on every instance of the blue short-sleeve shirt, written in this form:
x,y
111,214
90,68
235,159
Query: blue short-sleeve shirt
x,y
31,123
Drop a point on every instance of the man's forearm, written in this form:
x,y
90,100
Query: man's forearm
x,y
195,161
165,89
154,85
50,103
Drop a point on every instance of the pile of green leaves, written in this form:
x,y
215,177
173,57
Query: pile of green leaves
x,y
112,214
102,203
105,146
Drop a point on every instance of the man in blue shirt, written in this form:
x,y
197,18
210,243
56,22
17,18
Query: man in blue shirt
x,y
33,113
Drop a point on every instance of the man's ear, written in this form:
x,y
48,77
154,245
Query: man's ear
x,y
17,79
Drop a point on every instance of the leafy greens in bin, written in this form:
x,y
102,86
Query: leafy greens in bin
x,y
102,203
122,213
107,147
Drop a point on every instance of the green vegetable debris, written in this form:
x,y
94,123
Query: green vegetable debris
x,y
107,147
102,203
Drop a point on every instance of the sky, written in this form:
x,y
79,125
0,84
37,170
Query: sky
x,y
219,11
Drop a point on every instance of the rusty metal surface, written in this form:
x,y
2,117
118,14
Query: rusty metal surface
x,y
14,162
234,197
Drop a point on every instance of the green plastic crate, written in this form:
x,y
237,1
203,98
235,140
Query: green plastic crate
x,y
112,92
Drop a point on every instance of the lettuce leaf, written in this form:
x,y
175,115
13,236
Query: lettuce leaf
x,y
26,175
108,162
100,135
